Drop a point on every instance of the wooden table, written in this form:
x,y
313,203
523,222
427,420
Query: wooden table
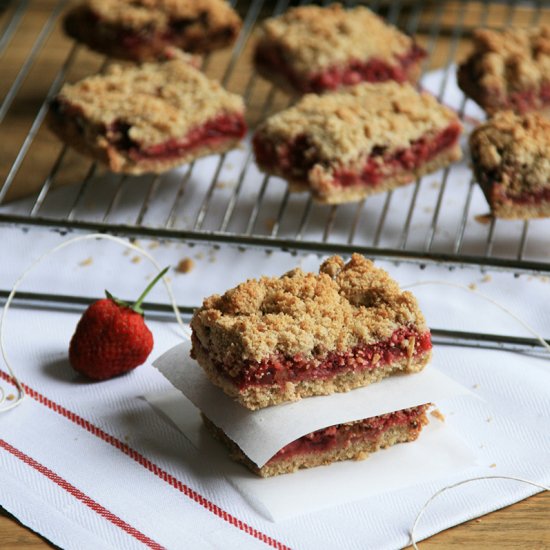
x,y
525,524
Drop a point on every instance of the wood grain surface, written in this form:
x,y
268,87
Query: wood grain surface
x,y
522,525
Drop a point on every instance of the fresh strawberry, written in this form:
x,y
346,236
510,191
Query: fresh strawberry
x,y
111,338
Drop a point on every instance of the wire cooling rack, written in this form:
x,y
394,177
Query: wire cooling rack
x,y
225,199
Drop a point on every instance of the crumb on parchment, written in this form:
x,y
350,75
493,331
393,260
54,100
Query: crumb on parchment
x,y
436,413
483,219
185,265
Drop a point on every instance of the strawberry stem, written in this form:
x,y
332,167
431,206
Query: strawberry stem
x,y
137,305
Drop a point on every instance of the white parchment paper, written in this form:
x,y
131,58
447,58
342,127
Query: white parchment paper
x,y
261,434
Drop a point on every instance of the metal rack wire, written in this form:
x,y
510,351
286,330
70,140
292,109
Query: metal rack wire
x,y
224,199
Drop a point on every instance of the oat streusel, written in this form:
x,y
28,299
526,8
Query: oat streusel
x,y
508,69
347,145
313,48
140,30
511,159
278,339
147,118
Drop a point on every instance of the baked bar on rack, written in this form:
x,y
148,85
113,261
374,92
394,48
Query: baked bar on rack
x,y
149,118
511,160
349,441
313,49
274,340
140,30
508,69
344,146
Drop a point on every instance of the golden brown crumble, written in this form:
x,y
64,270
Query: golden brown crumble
x,y
344,127
313,37
507,61
159,101
513,59
157,14
185,265
517,148
304,313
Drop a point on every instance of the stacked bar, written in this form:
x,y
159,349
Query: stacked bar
x,y
275,340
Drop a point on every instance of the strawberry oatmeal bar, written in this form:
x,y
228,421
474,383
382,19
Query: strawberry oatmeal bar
x,y
508,69
313,49
511,160
274,340
349,441
344,146
149,118
140,30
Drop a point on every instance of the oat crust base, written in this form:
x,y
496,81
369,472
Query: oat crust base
x,y
509,210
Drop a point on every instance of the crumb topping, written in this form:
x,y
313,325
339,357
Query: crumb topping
x,y
513,59
515,147
304,313
343,127
158,101
312,37
158,14
185,265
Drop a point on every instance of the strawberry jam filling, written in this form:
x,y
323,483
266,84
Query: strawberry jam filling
x,y
215,132
297,158
342,436
525,198
528,100
278,369
272,59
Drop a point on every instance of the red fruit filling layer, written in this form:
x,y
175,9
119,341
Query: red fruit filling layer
x,y
212,133
298,157
499,193
342,436
278,369
272,59
525,101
